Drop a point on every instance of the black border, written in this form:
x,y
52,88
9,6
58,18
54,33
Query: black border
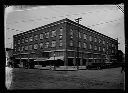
x,y
52,2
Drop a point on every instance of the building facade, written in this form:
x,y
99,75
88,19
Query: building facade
x,y
65,40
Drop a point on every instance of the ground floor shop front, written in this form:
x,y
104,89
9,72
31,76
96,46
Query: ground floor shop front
x,y
60,58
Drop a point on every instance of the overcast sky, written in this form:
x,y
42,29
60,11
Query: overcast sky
x,y
106,19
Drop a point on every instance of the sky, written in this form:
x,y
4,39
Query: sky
x,y
106,19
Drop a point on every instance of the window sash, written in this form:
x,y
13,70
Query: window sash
x,y
71,32
95,40
26,39
95,48
26,47
71,43
85,45
36,46
60,43
18,41
60,36
53,43
61,31
36,37
31,38
79,44
90,46
41,36
90,38
79,35
85,36
30,47
41,45
47,35
53,33
46,44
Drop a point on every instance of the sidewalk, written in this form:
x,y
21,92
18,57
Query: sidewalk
x,y
58,68
61,67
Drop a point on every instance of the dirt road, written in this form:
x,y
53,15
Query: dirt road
x,y
82,79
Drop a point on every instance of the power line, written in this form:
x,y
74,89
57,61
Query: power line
x,y
105,22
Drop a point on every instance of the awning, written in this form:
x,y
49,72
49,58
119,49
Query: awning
x,y
108,62
41,59
56,58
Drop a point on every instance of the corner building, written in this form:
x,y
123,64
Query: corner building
x,y
63,40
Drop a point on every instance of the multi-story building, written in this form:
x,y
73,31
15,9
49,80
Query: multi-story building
x,y
63,40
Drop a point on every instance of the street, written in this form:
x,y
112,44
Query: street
x,y
82,79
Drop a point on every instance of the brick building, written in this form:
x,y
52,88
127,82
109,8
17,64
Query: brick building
x,y
59,40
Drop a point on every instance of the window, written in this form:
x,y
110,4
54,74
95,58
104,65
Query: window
x,y
79,35
47,35
41,36
95,48
85,45
103,49
71,32
109,51
99,48
18,41
71,43
22,48
46,44
107,46
26,39
103,42
95,39
31,38
85,36
30,47
112,45
61,43
35,46
26,47
36,37
53,43
18,48
71,37
22,40
99,40
90,46
79,44
115,48
14,44
61,31
41,45
60,36
90,38
112,51
53,33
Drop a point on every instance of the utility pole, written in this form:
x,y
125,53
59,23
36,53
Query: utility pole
x,y
77,61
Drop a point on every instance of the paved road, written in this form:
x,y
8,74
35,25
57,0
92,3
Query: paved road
x,y
82,79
